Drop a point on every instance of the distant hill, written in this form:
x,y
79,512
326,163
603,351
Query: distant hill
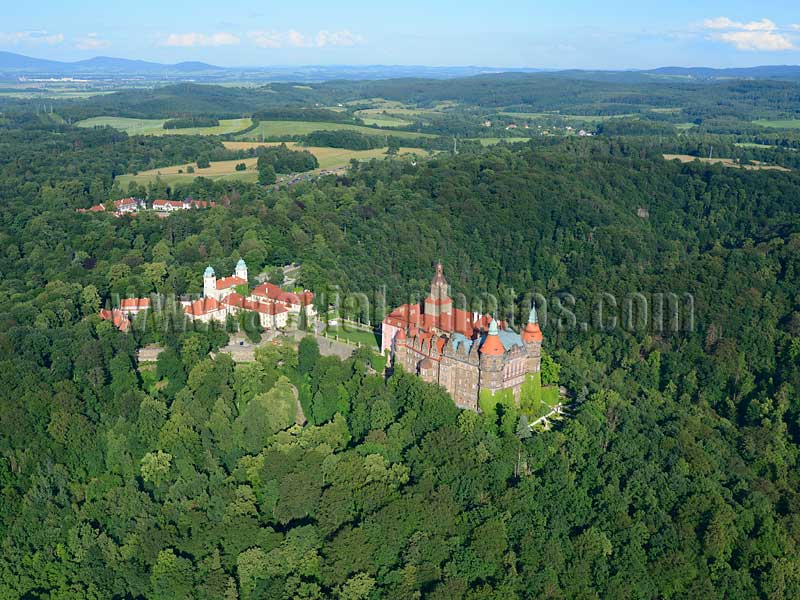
x,y
17,63
764,72
13,66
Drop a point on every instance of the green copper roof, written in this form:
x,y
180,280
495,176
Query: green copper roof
x,y
493,327
241,263
209,272
532,315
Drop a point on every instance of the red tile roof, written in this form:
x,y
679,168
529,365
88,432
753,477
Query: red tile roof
x,y
173,203
493,346
532,333
203,307
267,308
135,304
117,317
234,299
202,203
275,293
229,282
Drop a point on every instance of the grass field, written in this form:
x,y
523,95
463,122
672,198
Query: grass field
x,y
752,145
50,94
278,129
493,141
786,124
156,126
381,118
569,118
328,158
726,162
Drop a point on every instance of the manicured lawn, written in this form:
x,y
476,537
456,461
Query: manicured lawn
x,y
355,336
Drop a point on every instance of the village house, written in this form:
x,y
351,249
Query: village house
x,y
117,317
128,308
169,205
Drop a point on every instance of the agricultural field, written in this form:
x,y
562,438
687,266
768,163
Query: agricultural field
x,y
50,94
329,159
752,145
725,162
594,119
285,129
497,140
156,126
223,169
381,118
779,124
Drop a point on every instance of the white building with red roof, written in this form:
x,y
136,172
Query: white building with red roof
x,y
133,306
206,310
116,316
128,205
272,304
295,302
169,205
219,288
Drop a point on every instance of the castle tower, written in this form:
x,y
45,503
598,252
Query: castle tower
x,y
209,283
439,302
241,269
492,353
532,338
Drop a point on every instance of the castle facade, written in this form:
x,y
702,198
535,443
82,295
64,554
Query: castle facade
x,y
470,355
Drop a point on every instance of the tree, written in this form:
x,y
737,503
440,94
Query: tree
x,y
307,355
266,174
90,301
172,577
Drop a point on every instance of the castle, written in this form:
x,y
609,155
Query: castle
x,y
471,355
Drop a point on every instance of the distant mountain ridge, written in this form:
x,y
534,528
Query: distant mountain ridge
x,y
762,72
14,65
10,61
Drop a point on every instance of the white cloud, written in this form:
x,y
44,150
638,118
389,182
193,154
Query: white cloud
x,y
266,39
296,39
766,41
91,41
763,35
31,37
188,40
726,23
338,38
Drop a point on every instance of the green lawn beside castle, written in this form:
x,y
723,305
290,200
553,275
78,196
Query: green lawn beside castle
x,y
536,400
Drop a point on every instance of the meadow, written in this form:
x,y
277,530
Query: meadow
x,y
283,129
779,124
329,159
381,118
725,162
156,126
594,119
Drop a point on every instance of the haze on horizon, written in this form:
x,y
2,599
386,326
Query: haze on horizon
x,y
581,34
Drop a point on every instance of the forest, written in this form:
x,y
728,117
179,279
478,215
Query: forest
x,y
675,475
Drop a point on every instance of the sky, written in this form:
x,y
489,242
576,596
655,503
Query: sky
x,y
609,34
